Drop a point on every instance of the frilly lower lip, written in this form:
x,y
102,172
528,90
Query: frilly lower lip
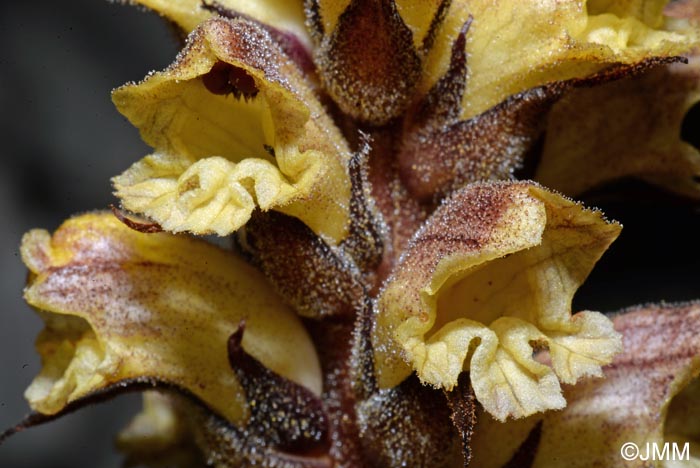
x,y
649,396
235,127
490,276
120,304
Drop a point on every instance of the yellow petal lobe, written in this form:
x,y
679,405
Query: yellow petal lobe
x,y
487,281
514,45
120,305
234,127
648,404
188,14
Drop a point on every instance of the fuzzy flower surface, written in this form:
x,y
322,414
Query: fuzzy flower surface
x,y
396,292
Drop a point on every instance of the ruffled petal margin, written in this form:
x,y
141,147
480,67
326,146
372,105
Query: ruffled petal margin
x,y
234,127
487,281
120,305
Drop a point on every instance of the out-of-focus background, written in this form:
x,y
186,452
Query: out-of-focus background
x,y
61,140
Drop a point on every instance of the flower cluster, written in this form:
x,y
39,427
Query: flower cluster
x,y
395,295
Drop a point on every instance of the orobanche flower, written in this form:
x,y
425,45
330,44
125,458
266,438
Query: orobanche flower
x,y
492,273
219,156
573,163
123,305
648,396
393,295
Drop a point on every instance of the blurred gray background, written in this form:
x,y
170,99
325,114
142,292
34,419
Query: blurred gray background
x,y
62,140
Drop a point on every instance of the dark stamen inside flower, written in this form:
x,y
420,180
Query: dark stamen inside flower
x,y
216,80
136,225
269,150
224,78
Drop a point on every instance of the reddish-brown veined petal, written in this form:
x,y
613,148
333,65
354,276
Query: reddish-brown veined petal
x,y
489,278
119,304
629,128
235,126
650,395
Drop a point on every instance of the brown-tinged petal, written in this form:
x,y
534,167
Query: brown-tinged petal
x,y
488,279
293,45
188,14
369,57
440,152
629,128
650,395
515,46
119,305
235,127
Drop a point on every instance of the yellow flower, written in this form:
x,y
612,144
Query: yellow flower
x,y
491,276
648,396
658,101
120,305
387,273
221,152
